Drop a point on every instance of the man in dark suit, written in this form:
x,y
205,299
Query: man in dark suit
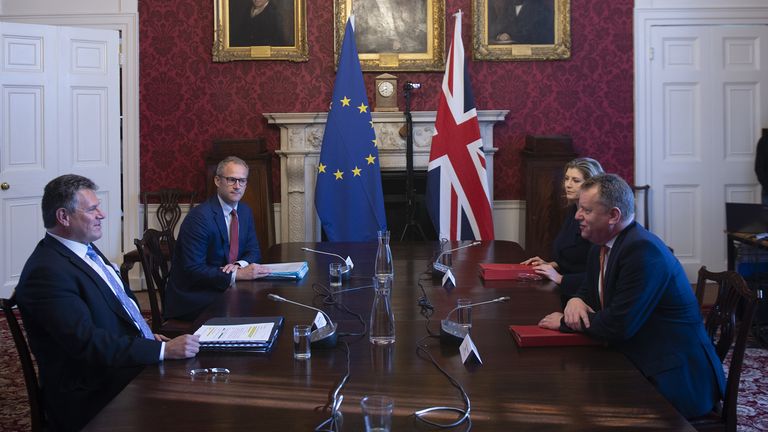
x,y
636,297
522,22
205,262
84,327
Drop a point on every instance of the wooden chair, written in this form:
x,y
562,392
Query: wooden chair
x,y
27,366
155,264
168,215
642,190
722,328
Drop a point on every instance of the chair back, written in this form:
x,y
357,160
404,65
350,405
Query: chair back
x,y
27,365
156,269
642,210
721,326
169,211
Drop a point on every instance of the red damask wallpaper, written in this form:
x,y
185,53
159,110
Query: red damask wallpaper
x,y
187,101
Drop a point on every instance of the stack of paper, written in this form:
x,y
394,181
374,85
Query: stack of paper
x,y
239,333
289,270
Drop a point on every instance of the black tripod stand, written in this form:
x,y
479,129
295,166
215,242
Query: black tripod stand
x,y
410,191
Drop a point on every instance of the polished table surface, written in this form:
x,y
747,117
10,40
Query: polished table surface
x,y
553,388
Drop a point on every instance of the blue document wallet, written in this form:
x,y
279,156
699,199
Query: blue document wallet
x,y
251,334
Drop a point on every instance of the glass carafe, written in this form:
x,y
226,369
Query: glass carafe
x,y
382,328
384,268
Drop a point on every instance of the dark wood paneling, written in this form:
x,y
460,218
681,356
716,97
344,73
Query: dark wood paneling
x,y
545,157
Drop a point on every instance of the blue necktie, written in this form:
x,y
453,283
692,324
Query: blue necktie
x,y
127,303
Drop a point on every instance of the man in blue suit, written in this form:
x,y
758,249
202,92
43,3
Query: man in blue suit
x,y
205,262
84,327
636,297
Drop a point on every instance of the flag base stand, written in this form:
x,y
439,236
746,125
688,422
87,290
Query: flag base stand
x,y
410,192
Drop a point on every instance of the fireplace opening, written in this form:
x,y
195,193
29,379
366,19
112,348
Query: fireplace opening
x,y
396,206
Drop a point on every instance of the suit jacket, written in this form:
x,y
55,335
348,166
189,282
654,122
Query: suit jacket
x,y
652,316
570,253
202,249
86,345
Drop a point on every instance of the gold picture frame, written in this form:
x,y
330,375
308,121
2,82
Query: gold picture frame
x,y
278,31
394,35
544,32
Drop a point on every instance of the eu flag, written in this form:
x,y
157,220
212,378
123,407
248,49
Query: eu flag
x,y
348,194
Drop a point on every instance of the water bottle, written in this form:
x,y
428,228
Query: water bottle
x,y
382,329
384,268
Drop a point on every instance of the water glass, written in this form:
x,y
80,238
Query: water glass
x,y
464,314
377,413
335,271
301,349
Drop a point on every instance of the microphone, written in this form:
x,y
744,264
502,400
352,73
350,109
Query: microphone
x,y
348,266
411,86
453,332
439,268
323,337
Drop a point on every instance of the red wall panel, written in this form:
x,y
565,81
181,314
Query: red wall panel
x,y
187,101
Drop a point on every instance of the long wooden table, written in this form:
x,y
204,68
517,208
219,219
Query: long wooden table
x,y
562,389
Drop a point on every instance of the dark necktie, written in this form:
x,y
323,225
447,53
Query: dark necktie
x,y
127,303
603,252
234,235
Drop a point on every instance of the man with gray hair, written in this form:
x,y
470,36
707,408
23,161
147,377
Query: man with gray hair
x,y
636,297
85,329
217,245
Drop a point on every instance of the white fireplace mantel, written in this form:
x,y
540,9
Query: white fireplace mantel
x,y
301,135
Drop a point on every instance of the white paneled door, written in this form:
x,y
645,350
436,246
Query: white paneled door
x,y
59,114
709,101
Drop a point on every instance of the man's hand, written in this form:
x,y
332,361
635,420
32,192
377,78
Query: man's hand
x,y
548,272
551,321
576,314
184,346
252,271
229,268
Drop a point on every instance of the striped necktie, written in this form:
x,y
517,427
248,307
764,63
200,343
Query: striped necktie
x,y
603,252
127,303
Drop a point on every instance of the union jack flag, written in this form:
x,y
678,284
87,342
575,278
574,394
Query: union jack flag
x,y
457,184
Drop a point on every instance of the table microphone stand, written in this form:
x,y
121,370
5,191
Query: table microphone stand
x,y
410,192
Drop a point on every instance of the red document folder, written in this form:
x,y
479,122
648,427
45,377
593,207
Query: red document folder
x,y
533,336
508,272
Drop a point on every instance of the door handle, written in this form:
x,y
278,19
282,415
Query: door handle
x,y
5,186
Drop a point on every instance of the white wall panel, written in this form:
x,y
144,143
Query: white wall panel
x,y
23,111
24,54
682,203
89,57
742,193
681,118
740,121
681,53
89,122
20,212
740,53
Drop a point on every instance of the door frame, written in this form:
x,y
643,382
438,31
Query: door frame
x,y
650,13
128,25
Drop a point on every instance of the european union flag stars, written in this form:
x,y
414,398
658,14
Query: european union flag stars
x,y
348,193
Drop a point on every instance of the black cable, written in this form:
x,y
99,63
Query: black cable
x,y
329,299
427,310
421,351
335,399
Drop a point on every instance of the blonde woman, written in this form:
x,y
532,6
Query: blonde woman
x,y
569,250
